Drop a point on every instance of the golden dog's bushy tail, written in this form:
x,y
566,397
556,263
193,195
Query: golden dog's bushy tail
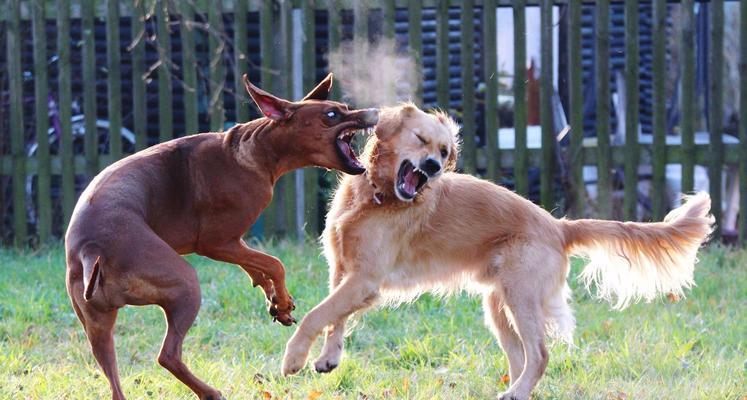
x,y
631,260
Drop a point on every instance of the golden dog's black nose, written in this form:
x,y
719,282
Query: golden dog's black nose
x,y
430,166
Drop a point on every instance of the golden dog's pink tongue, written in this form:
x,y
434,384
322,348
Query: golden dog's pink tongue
x,y
411,182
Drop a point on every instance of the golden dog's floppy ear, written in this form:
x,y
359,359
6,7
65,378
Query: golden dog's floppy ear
x,y
321,91
390,121
453,127
271,107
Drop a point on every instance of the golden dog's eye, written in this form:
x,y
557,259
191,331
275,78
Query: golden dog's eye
x,y
423,141
444,152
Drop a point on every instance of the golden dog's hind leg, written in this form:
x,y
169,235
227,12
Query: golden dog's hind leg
x,y
496,319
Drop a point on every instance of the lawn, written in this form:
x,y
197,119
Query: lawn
x,y
433,349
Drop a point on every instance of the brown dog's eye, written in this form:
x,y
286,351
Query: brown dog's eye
x,y
444,152
331,114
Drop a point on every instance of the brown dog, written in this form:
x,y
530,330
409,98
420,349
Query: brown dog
x,y
412,225
196,194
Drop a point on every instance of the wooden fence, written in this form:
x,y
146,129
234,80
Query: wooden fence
x,y
61,169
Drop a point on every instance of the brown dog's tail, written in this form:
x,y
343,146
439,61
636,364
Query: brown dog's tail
x,y
632,260
91,275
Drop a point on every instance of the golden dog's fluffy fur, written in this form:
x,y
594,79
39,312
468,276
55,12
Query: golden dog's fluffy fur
x,y
463,233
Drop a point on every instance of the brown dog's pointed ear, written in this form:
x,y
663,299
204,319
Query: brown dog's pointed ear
x,y
321,91
271,107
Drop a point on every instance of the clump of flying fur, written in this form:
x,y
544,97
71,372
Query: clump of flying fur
x,y
629,261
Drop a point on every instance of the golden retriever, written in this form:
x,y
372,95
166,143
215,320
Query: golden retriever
x,y
412,225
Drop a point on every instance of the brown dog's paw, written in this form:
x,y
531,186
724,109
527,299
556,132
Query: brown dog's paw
x,y
282,315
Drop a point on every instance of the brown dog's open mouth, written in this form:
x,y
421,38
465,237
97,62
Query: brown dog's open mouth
x,y
346,152
409,180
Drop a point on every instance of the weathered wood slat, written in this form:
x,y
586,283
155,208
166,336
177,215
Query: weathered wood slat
x,y
743,124
165,86
388,10
189,65
521,168
216,47
659,160
18,165
547,166
287,196
334,37
360,22
442,54
113,79
266,50
311,175
630,198
241,59
64,104
469,131
41,111
139,118
602,94
89,88
576,112
490,71
716,109
687,49
415,36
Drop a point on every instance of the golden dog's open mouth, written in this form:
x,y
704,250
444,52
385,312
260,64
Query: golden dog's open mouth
x,y
344,147
409,180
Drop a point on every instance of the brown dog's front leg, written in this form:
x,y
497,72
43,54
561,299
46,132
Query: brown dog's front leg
x,y
265,271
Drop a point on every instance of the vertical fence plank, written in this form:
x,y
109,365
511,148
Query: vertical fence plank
x,y
415,37
241,58
266,51
743,122
630,199
216,46
442,54
41,110
521,175
89,88
547,163
360,22
716,110
659,159
310,175
490,71
189,65
139,118
687,50
287,195
16,122
602,94
577,109
388,17
165,90
334,33
64,101
468,88
113,79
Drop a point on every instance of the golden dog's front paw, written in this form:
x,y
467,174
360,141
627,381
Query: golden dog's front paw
x,y
294,358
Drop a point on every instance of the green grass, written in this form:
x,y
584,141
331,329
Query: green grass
x,y
432,349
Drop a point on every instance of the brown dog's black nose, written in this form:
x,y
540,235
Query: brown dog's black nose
x,y
430,166
370,116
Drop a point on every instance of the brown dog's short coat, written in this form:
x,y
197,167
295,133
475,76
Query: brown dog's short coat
x,y
412,225
196,194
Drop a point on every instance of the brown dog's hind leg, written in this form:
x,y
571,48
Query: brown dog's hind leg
x,y
99,328
497,320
